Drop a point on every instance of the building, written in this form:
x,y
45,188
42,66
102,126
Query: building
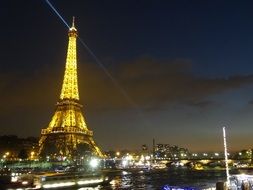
x,y
67,135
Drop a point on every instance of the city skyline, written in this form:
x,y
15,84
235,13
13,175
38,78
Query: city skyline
x,y
183,69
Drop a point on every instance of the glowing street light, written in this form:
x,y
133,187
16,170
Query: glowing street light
x,y
94,163
117,153
32,155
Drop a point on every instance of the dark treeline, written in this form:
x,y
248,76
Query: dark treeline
x,y
15,144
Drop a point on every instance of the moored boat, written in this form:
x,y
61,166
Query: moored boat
x,y
63,180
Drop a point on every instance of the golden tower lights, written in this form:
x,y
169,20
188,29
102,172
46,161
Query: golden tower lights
x,y
67,131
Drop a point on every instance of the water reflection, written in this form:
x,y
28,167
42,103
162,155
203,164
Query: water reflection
x,y
153,180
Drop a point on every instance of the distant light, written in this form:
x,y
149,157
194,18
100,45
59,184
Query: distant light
x,y
94,163
129,157
63,184
148,157
14,179
24,182
124,163
92,181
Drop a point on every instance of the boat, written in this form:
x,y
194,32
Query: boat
x,y
240,181
62,180
168,187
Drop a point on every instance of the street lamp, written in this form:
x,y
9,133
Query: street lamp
x,y
94,163
117,153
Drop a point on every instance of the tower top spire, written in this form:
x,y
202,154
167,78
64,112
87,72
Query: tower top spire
x,y
73,28
73,22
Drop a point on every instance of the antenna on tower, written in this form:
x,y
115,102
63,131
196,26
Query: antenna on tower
x,y
73,22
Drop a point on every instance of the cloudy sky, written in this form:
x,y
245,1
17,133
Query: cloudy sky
x,y
183,69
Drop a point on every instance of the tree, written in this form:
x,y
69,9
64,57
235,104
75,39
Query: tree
x,y
23,154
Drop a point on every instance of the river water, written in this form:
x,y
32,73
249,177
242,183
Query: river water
x,y
158,179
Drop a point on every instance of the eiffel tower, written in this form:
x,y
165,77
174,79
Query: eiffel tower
x,y
67,133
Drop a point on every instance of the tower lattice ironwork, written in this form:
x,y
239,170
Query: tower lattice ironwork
x,y
67,133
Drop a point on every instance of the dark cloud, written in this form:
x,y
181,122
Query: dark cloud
x,y
148,82
151,82
28,99
202,104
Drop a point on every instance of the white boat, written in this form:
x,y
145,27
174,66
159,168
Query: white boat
x,y
62,180
241,180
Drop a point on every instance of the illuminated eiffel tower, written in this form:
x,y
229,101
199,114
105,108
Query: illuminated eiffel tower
x,y
67,133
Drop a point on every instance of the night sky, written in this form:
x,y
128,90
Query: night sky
x,y
185,69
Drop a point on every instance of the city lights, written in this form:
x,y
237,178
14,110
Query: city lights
x,y
174,73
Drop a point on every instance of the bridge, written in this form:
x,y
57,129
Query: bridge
x,y
203,161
